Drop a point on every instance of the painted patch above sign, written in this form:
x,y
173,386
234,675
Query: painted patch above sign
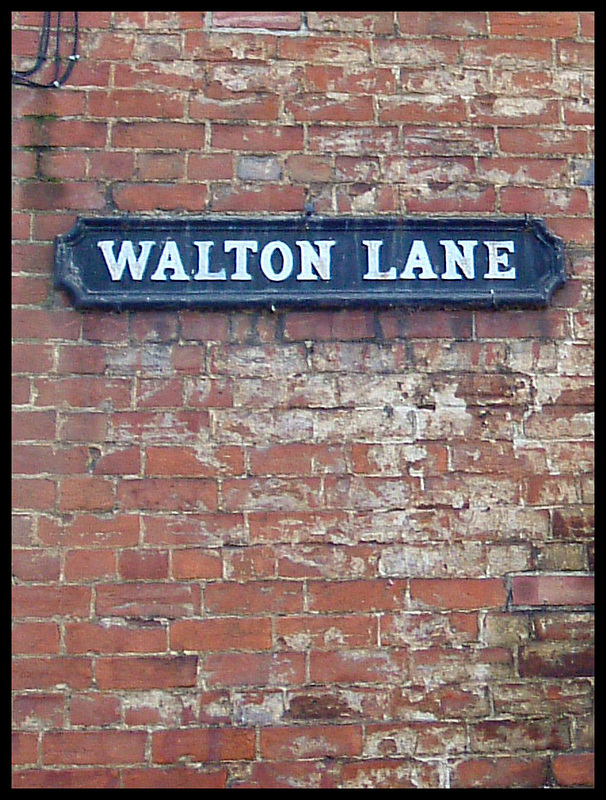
x,y
190,262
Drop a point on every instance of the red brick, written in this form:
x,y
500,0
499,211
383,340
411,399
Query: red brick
x,y
45,324
421,109
103,164
143,564
63,165
155,196
94,709
36,565
552,590
321,631
49,672
537,24
272,20
257,138
587,19
192,562
546,141
203,744
39,710
261,108
258,494
456,23
331,741
90,778
574,769
458,593
24,355
416,53
235,46
135,103
447,198
356,596
88,530
501,773
202,167
35,638
544,201
146,672
373,666
267,198
308,107
254,597
559,660
83,391
24,747
93,747
506,52
89,637
145,599
377,22
576,54
174,778
169,494
87,494
390,773
254,669
158,135
221,634
282,775
452,665
59,133
49,600
543,324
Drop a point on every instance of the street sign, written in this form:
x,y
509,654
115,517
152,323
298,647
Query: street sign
x,y
305,262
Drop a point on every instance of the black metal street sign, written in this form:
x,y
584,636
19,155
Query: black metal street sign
x,y
305,262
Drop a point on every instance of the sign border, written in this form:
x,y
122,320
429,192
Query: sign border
x,y
67,273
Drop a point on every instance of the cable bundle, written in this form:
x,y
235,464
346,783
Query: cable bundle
x,y
25,77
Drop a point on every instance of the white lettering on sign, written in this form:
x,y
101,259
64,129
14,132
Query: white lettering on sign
x,y
126,256
170,259
276,261
454,259
418,258
241,246
374,271
458,255
267,265
495,259
320,261
204,273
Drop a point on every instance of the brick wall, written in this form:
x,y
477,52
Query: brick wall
x,y
304,549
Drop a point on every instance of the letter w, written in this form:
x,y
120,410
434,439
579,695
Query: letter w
x,y
136,266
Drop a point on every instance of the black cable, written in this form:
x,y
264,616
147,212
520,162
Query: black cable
x,y
22,77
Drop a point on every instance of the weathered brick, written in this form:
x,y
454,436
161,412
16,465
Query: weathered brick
x,y
311,742
458,593
93,747
273,20
356,596
143,599
501,773
174,778
574,769
549,660
202,744
146,672
221,634
552,590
